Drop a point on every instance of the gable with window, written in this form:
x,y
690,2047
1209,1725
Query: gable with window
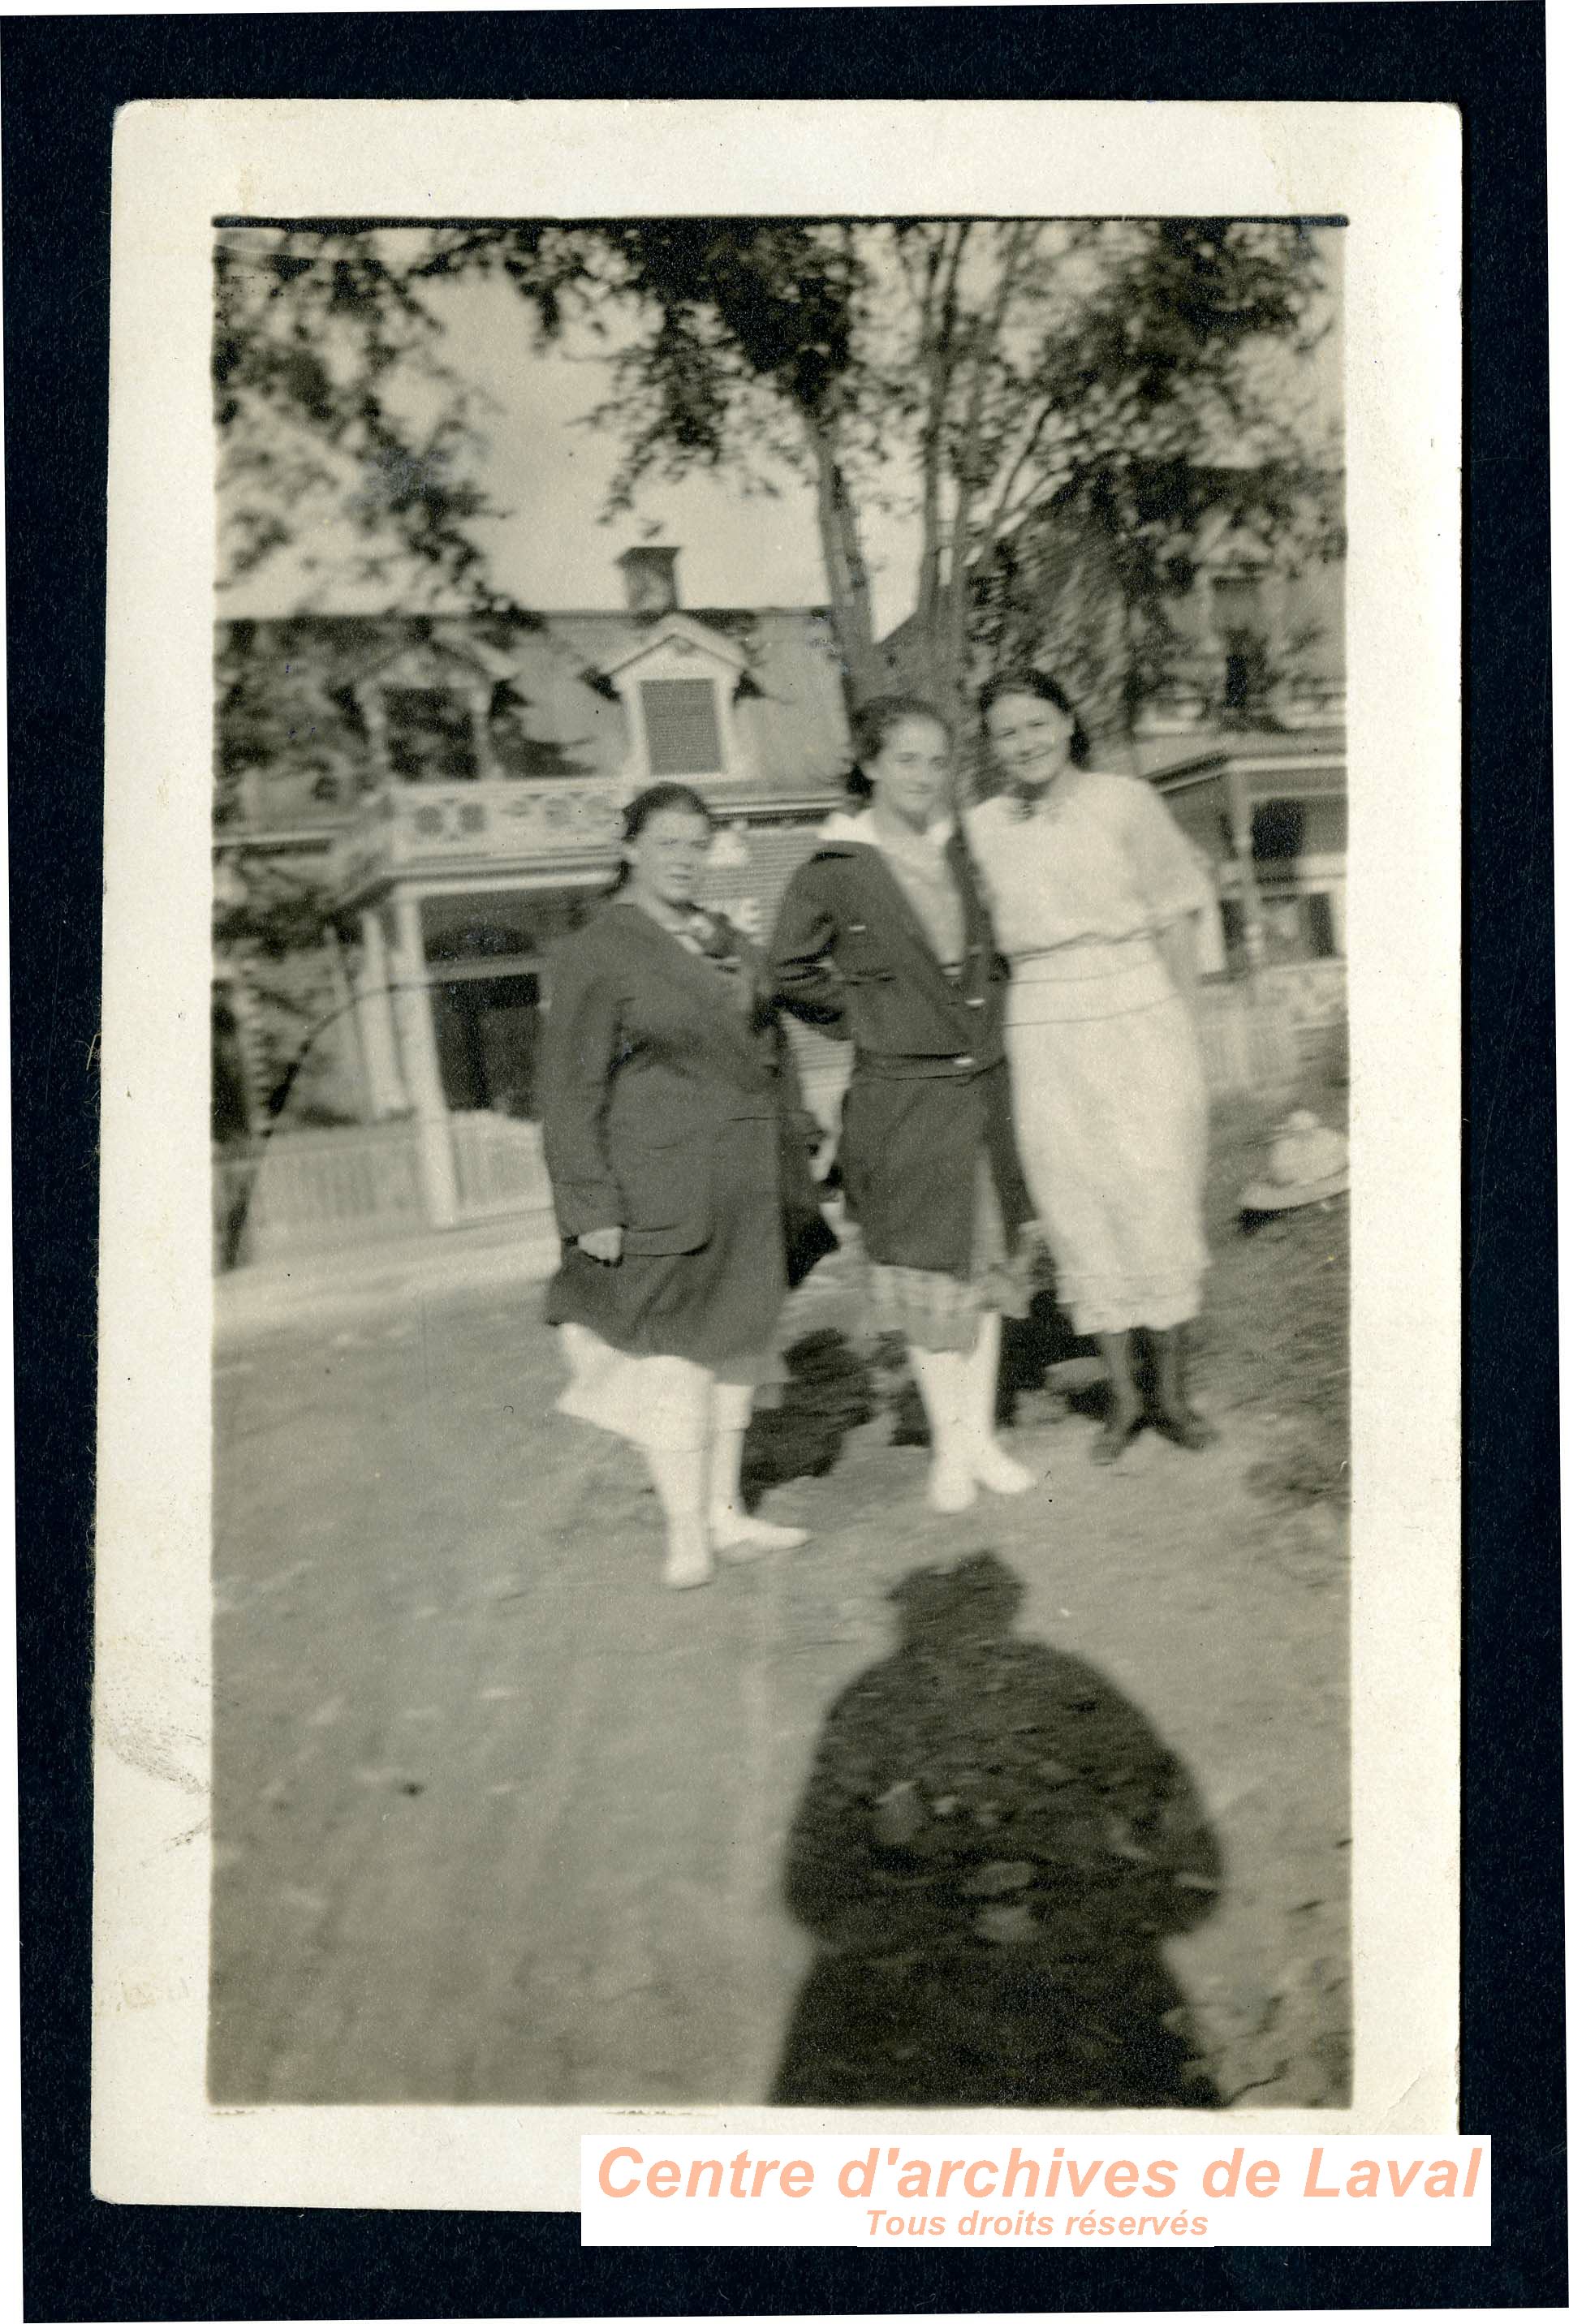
x,y
679,687
681,723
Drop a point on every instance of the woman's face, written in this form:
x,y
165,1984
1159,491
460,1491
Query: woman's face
x,y
911,774
668,856
1032,738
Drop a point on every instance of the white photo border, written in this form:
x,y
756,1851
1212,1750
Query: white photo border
x,y
1393,170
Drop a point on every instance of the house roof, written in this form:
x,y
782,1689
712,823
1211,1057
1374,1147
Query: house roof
x,y
1165,758
719,644
558,663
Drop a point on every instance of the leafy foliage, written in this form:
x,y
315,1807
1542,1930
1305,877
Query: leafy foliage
x,y
977,374
328,388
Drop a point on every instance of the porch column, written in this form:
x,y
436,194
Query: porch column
x,y
1240,808
373,1010
421,1068
1336,892
1211,939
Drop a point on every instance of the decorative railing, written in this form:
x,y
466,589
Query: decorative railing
x,y
1192,695
1248,1041
407,826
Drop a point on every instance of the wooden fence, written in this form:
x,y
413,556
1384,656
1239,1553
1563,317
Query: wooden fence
x,y
316,1190
500,1164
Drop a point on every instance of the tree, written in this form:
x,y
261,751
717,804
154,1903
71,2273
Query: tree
x,y
1094,583
974,373
329,391
979,373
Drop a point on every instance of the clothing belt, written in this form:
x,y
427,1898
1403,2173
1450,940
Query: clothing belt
x,y
1083,983
882,1067
1085,960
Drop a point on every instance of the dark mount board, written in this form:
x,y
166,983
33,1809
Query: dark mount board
x,y
63,78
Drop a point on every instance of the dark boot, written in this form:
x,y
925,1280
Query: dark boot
x,y
1169,1407
1126,1408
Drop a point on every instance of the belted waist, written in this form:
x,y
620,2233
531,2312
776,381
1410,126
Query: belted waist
x,y
879,1065
1086,959
1081,983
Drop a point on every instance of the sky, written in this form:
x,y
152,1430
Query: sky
x,y
555,473
552,475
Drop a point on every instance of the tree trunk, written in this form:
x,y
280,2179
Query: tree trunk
x,y
849,583
950,667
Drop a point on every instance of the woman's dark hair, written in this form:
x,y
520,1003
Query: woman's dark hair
x,y
655,801
871,723
1044,689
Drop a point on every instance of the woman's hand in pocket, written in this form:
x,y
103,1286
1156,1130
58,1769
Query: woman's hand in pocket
x,y
604,1244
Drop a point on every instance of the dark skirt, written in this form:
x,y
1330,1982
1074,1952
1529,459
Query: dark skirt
x,y
709,1305
910,1149
937,1311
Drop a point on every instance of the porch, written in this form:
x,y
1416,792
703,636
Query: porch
x,y
312,1192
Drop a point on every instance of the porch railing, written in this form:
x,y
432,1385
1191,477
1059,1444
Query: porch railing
x,y
413,826
501,1164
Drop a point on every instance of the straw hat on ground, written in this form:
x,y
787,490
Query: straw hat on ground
x,y
1308,1163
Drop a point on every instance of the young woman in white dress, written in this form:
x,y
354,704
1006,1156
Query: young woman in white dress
x,y
1095,894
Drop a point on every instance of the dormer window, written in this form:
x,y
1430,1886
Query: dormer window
x,y
1240,629
681,722
679,685
430,735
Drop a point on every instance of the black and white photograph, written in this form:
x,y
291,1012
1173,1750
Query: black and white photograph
x,y
780,1063
795,1140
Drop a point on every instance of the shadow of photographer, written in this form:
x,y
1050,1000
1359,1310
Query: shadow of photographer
x,y
992,1847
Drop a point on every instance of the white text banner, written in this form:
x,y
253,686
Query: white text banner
x,y
1105,2193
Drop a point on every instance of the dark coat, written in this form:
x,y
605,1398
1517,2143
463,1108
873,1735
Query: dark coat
x,y
930,1092
646,1062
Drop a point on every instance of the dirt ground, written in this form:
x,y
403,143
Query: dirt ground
x,y
498,1820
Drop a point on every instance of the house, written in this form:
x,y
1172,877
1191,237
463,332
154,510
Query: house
x,y
411,812
1223,685
1242,729
448,791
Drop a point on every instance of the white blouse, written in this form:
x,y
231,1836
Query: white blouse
x,y
1099,860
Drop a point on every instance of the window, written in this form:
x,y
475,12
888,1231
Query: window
x,y
681,721
430,735
1237,602
1279,828
1247,675
1237,615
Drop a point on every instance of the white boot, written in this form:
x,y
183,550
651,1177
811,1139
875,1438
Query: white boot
x,y
989,1464
941,1375
735,1536
680,1471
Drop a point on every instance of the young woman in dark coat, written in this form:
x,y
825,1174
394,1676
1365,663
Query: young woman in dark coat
x,y
884,940
675,1137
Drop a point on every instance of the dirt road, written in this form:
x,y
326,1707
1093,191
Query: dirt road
x,y
498,1820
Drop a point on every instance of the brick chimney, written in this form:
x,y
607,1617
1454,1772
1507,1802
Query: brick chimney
x,y
649,577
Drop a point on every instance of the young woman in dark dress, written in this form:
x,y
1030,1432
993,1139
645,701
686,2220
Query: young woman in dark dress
x,y
675,1137
884,940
